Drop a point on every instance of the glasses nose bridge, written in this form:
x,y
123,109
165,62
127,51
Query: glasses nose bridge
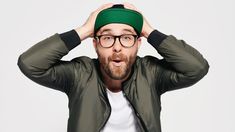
x,y
115,38
117,47
119,39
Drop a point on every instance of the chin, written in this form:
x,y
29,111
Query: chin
x,y
118,73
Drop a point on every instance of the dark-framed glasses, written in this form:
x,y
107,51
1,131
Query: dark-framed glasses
x,y
126,40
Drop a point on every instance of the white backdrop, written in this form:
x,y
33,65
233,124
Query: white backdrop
x,y
207,25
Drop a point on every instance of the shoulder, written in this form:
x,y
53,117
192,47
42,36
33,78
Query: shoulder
x,y
83,62
83,59
148,61
152,64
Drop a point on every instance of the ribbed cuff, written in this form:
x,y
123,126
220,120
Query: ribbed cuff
x,y
71,39
155,38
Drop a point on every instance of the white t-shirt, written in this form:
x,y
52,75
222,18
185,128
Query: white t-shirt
x,y
122,118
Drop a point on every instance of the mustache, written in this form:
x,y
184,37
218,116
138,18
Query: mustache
x,y
120,57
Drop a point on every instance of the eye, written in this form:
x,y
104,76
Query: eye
x,y
107,38
127,37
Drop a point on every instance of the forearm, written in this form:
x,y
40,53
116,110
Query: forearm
x,y
43,55
183,65
181,56
42,62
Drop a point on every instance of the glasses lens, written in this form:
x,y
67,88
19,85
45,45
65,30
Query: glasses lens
x,y
106,40
127,40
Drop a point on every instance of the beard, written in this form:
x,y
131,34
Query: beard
x,y
117,66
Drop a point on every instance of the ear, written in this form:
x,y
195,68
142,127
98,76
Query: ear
x,y
95,42
139,41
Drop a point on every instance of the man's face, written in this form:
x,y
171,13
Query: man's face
x,y
116,61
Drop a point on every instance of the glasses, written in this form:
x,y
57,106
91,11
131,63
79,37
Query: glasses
x,y
126,40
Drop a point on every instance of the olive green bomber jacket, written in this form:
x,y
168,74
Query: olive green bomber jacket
x,y
81,80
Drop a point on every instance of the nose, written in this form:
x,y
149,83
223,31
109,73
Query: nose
x,y
117,47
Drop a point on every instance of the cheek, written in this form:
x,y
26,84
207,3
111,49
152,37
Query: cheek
x,y
132,56
132,52
103,55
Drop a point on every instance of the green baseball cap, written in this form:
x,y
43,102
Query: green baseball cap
x,y
118,14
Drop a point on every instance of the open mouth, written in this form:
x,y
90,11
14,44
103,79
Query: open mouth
x,y
117,62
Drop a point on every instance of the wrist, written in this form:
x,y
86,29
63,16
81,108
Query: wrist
x,y
71,39
83,32
156,37
147,32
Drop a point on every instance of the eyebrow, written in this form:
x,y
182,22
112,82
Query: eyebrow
x,y
105,30
128,30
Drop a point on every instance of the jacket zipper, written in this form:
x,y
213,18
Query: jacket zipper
x,y
106,120
136,113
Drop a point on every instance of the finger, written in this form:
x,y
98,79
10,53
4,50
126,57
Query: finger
x,y
105,6
130,6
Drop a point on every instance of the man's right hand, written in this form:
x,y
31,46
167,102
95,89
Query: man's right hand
x,y
87,29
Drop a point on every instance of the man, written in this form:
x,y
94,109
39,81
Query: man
x,y
119,91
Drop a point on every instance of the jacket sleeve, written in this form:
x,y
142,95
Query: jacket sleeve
x,y
181,66
42,62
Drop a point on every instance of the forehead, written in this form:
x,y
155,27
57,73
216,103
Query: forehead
x,y
116,28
